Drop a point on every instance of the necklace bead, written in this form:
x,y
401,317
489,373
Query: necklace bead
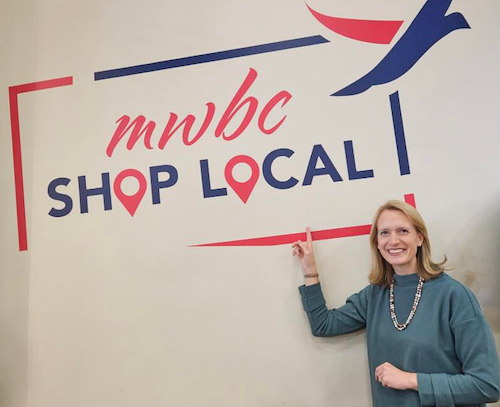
x,y
392,308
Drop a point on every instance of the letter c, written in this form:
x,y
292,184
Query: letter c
x,y
268,175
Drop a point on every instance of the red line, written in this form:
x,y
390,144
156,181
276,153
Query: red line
x,y
410,199
293,237
18,171
16,148
41,85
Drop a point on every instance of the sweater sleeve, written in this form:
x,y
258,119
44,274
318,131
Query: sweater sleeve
x,y
479,381
348,318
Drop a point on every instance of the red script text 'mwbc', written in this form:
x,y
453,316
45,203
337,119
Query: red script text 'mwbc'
x,y
138,127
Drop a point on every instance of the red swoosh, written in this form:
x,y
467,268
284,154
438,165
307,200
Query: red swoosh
x,y
293,237
374,31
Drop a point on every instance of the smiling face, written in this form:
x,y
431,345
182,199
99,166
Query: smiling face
x,y
398,241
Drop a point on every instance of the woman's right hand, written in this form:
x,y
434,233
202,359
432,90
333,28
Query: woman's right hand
x,y
304,251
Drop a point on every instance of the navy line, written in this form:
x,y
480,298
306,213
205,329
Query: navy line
x,y
399,132
214,56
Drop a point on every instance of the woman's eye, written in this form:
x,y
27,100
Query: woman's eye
x,y
383,233
404,231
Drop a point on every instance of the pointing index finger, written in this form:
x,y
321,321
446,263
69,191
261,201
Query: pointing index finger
x,y
308,235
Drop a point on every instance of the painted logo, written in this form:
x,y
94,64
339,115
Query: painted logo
x,y
429,26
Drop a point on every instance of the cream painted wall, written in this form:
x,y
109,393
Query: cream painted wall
x,y
105,309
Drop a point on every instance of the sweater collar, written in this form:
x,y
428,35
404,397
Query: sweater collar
x,y
409,280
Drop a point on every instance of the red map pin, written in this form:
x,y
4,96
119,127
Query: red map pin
x,y
130,202
242,189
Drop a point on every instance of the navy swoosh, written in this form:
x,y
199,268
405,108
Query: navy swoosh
x,y
429,26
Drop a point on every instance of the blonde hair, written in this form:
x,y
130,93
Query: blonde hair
x,y
382,272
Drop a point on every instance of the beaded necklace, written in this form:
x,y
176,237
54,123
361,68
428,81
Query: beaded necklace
x,y
399,326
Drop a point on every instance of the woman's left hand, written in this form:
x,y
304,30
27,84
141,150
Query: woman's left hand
x,y
390,376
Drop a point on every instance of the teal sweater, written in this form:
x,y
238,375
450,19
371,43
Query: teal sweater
x,y
448,343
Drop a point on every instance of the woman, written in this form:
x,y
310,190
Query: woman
x,y
428,342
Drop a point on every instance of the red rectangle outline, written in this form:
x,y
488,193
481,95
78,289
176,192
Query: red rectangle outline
x,y
14,91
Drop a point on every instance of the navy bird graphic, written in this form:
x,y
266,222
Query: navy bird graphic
x,y
429,26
